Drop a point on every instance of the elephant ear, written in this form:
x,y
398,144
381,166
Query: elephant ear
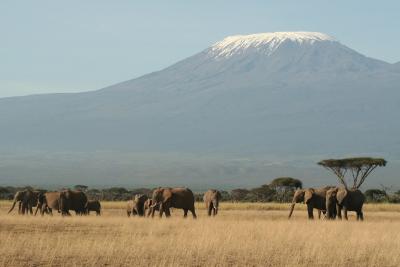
x,y
341,195
308,194
168,195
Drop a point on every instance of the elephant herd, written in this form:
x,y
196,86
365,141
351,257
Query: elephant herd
x,y
164,199
62,201
330,201
327,200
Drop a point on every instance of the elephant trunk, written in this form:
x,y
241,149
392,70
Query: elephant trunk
x,y
152,209
13,205
291,209
330,209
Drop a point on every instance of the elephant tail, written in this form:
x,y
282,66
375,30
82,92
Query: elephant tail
x,y
291,210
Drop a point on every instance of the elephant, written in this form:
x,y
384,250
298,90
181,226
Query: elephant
x,y
73,200
348,200
93,205
166,198
313,198
26,199
47,202
211,199
136,206
129,208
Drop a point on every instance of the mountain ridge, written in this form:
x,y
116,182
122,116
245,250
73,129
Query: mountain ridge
x,y
306,101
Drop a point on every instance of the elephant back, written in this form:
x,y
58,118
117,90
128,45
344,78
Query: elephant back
x,y
182,198
74,200
52,199
93,204
356,198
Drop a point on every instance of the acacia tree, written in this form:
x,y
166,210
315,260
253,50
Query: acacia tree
x,y
284,187
359,168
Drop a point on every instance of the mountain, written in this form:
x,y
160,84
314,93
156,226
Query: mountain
x,y
282,100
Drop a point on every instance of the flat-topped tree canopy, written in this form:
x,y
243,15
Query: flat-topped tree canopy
x,y
287,182
360,168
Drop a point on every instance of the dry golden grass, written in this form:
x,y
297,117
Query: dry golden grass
x,y
254,206
242,234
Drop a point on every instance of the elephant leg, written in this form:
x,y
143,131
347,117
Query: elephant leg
x,y
345,213
46,209
339,212
310,212
37,208
19,207
161,211
334,213
23,208
325,214
209,209
167,213
27,208
193,213
66,213
361,215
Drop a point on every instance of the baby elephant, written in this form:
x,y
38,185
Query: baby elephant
x,y
136,206
93,205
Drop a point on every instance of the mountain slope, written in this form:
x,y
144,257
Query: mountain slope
x,y
276,95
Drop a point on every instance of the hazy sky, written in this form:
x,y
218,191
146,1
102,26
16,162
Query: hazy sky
x,y
65,46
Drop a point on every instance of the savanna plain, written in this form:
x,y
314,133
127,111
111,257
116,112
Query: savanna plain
x,y
242,234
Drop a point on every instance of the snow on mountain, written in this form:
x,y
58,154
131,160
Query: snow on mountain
x,y
266,43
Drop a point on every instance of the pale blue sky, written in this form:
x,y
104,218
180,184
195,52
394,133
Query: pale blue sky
x,y
55,46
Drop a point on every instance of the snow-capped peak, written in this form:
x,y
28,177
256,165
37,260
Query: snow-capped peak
x,y
267,42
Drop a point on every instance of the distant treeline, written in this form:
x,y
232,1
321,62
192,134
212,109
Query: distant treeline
x,y
279,190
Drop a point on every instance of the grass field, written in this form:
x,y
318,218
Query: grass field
x,y
243,234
